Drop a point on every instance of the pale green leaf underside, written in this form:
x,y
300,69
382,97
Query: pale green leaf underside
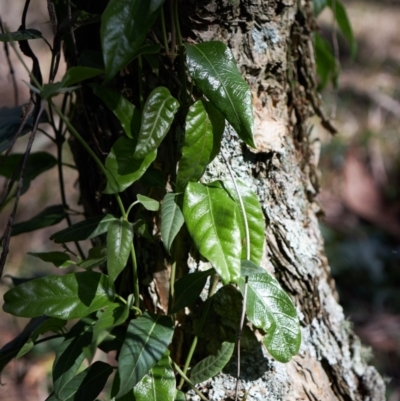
x,y
171,220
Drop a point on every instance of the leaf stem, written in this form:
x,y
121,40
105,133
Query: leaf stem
x,y
187,380
135,277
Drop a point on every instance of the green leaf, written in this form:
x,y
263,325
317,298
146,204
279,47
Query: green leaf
x,y
180,396
210,217
59,259
48,217
318,6
124,26
159,384
203,133
213,69
18,36
147,339
255,220
123,169
171,220
126,112
213,364
85,229
325,60
37,163
88,384
158,114
65,297
148,203
75,75
188,288
249,268
269,308
119,242
96,257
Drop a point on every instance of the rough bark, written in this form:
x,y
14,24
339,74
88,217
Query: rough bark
x,y
271,41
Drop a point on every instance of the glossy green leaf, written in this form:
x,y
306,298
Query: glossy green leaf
x,y
123,169
203,133
210,217
78,74
48,217
213,69
26,34
213,364
124,110
158,114
119,242
124,26
59,259
65,297
188,288
249,268
255,220
146,341
269,308
85,229
159,384
37,163
69,357
88,384
96,257
171,220
148,203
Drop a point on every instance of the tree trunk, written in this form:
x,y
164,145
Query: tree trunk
x,y
272,44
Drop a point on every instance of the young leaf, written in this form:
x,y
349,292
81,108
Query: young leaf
x,y
124,26
48,217
158,114
119,241
146,341
188,288
59,259
203,133
210,217
212,364
75,75
26,34
269,308
85,229
124,110
159,384
88,384
123,168
65,297
213,69
255,220
148,203
97,256
171,220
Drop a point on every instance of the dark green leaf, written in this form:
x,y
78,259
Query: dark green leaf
x,y
255,220
203,133
325,60
124,110
59,259
75,75
159,384
188,288
96,257
158,114
213,364
148,203
269,308
180,396
153,178
119,242
48,217
210,217
124,26
25,34
85,229
123,169
318,6
66,297
88,384
171,220
147,339
37,163
249,268
214,71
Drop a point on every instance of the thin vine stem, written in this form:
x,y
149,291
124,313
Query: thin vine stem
x,y
187,380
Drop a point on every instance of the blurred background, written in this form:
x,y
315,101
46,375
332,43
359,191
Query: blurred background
x,y
360,191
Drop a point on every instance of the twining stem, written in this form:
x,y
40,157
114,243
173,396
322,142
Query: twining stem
x,y
214,282
187,380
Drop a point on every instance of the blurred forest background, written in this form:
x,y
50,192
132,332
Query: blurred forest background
x,y
359,194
